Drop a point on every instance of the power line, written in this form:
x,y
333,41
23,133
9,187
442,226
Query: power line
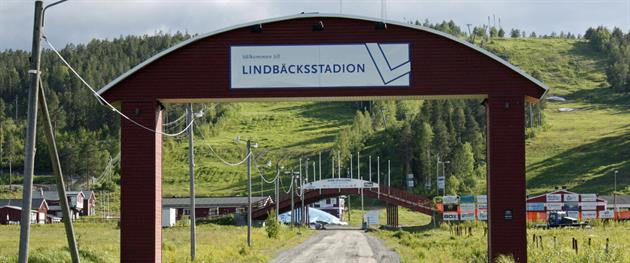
x,y
103,100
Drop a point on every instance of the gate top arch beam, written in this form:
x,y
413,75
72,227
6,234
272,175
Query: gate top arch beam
x,y
442,66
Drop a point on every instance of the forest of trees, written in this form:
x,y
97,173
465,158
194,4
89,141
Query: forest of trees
x,y
415,133
85,129
616,46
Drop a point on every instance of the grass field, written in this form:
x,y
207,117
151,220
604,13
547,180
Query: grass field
x,y
442,245
99,242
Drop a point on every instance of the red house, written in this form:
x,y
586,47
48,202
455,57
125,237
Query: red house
x,y
11,209
213,206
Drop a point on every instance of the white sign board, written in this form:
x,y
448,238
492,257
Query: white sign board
x,y
372,217
589,214
468,216
606,214
554,198
482,199
574,214
589,205
482,212
571,198
441,182
449,199
467,211
589,197
335,183
316,66
450,216
554,206
535,206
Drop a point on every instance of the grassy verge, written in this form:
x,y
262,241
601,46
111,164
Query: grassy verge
x,y
442,245
99,242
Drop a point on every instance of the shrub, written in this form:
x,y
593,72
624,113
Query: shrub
x,y
272,225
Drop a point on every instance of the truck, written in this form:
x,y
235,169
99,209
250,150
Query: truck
x,y
560,219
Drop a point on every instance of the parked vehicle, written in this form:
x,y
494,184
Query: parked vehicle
x,y
560,219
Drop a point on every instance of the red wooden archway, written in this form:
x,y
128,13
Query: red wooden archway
x,y
442,66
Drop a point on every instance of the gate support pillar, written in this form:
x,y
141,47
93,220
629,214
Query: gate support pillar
x,y
141,183
506,177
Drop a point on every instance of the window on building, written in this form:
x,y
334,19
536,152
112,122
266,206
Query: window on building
x,y
327,201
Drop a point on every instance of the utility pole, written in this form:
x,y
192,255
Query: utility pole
x,y
351,167
320,168
338,165
292,190
370,167
378,176
359,166
302,218
277,188
191,173
306,169
249,193
52,150
389,182
29,149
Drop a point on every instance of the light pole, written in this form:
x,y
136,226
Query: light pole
x,y
443,173
615,195
249,188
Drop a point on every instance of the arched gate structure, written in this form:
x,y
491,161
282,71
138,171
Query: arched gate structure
x,y
244,63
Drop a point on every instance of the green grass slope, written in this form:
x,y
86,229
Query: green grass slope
x,y
282,130
579,149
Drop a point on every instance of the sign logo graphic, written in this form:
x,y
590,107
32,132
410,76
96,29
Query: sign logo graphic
x,y
317,66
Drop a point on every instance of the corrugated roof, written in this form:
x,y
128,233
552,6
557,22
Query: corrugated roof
x,y
36,202
184,202
54,195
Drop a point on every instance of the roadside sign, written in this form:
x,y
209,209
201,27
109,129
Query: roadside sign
x,y
588,197
554,206
554,198
589,205
372,217
440,182
482,212
571,197
450,199
467,211
535,206
606,214
450,216
482,199
467,199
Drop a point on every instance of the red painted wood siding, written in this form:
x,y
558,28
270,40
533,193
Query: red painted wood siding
x,y
440,66
506,176
141,184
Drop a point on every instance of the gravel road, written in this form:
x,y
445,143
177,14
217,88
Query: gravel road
x,y
339,246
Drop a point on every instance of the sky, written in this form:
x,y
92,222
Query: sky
x,y
78,21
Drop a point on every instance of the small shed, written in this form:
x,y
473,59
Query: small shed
x,y
89,203
169,216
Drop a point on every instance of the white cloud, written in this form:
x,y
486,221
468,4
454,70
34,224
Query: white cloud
x,y
78,21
